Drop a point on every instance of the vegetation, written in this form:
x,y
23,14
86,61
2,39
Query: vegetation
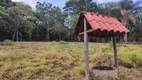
x,y
18,22
65,61
61,60
8,42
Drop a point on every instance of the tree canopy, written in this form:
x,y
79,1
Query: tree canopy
x,y
48,22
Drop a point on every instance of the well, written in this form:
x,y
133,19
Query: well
x,y
104,73
94,25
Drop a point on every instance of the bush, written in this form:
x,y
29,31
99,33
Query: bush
x,y
8,42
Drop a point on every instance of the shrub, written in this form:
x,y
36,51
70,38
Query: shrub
x,y
8,42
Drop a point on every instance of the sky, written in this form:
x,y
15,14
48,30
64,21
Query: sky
x,y
60,3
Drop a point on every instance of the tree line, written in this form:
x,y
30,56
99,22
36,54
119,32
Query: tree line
x,y
18,22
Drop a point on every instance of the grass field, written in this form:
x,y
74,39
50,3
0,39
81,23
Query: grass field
x,y
65,60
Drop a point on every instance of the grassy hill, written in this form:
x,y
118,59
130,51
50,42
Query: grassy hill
x,y
65,60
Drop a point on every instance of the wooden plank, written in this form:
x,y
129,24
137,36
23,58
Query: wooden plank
x,y
88,31
86,48
115,52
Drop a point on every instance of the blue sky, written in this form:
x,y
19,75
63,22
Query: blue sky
x,y
60,3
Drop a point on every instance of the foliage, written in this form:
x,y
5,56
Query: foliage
x,y
8,42
18,22
50,21
74,7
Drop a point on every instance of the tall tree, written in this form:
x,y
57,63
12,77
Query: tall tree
x,y
19,16
50,20
127,8
76,6
4,19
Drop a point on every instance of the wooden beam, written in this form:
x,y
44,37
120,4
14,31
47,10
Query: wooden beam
x,y
88,31
86,48
115,52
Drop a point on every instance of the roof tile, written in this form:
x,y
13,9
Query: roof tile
x,y
96,17
101,24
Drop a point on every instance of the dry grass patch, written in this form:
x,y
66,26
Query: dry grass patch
x,y
64,60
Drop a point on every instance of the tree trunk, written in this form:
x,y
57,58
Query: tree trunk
x,y
59,38
20,36
124,21
47,34
17,36
125,37
13,37
70,35
16,29
79,39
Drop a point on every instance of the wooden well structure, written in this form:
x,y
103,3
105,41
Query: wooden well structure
x,y
96,25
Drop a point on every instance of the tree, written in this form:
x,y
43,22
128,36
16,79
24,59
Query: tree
x,y
44,12
19,16
136,30
76,6
127,9
7,3
109,9
4,19
50,21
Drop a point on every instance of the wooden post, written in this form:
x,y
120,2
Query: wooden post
x,y
115,52
86,48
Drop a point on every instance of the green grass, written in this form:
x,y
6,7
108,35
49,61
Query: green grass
x,y
64,44
65,60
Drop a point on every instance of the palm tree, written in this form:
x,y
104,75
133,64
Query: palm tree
x,y
128,7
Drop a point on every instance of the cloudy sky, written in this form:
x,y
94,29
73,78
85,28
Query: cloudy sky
x,y
60,3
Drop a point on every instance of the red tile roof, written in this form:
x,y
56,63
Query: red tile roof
x,y
101,25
